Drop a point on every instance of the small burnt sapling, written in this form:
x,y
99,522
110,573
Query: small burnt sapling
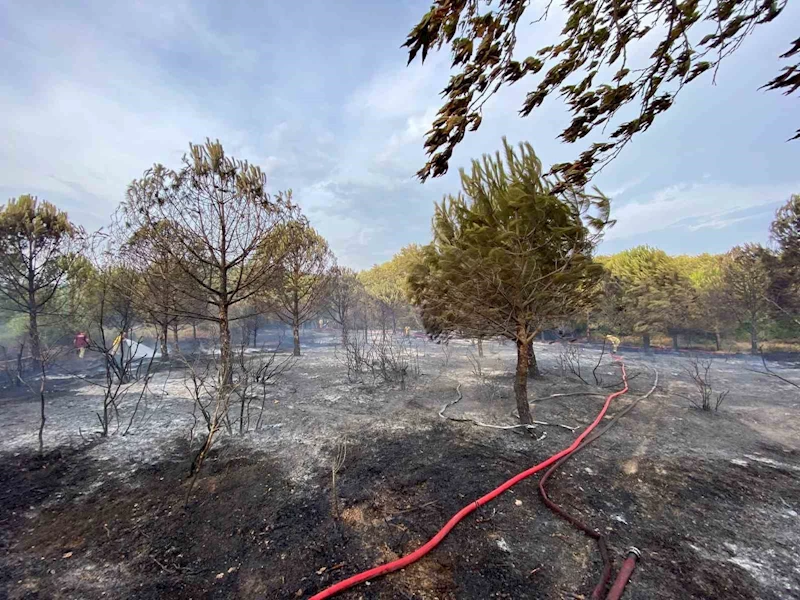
x,y
699,372
110,317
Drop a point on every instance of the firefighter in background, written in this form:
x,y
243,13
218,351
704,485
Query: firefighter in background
x,y
119,344
81,343
614,342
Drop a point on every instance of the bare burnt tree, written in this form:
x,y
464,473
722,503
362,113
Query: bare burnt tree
x,y
390,359
569,360
699,372
211,218
110,319
253,376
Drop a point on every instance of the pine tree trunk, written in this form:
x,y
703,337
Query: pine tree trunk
x,y
296,338
296,323
718,340
175,337
20,363
675,342
255,334
225,352
521,381
753,340
533,365
194,333
646,342
41,406
36,350
163,339
480,347
33,317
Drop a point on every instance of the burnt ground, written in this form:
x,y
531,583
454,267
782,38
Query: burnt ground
x,y
712,500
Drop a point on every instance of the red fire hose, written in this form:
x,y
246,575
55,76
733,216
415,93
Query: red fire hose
x,y
624,574
596,535
404,561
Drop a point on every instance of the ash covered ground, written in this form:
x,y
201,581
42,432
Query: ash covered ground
x,y
711,499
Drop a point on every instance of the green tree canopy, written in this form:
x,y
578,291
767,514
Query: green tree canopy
x,y
647,293
785,266
508,256
588,65
745,274
304,270
387,285
38,245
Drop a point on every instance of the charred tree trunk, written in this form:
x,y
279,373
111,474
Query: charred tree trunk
x,y
175,337
533,366
646,342
753,339
718,340
255,333
675,342
521,381
194,333
480,347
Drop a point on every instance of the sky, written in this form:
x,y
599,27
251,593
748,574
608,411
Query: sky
x,y
318,94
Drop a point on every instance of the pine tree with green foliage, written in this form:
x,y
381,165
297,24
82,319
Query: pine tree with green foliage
x,y
784,267
746,277
211,218
509,256
303,275
38,244
649,293
588,65
386,284
708,313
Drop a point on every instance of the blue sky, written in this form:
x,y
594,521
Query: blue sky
x,y
317,93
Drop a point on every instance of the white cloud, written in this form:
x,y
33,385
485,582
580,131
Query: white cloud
x,y
625,186
710,202
99,92
399,91
74,133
